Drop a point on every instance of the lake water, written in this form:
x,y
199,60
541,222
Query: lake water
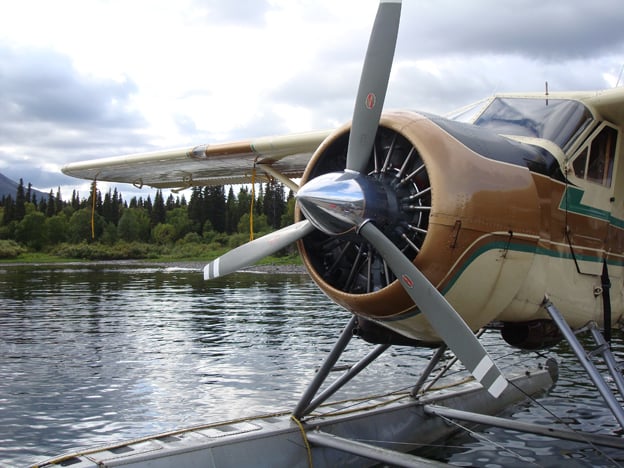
x,y
96,353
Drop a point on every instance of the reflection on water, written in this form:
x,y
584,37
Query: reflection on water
x,y
91,354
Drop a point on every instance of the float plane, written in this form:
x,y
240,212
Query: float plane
x,y
509,214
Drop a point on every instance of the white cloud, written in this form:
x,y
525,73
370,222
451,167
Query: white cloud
x,y
90,78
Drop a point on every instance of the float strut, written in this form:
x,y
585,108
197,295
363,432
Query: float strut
x,y
586,361
607,355
435,359
346,377
325,369
380,454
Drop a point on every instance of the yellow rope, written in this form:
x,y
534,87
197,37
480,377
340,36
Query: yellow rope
x,y
251,208
305,440
93,195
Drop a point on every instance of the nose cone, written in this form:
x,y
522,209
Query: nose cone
x,y
334,202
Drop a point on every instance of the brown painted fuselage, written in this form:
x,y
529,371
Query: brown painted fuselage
x,y
518,209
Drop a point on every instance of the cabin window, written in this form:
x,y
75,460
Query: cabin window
x,y
558,120
595,161
580,164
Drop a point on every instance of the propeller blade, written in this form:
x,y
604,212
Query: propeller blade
x,y
373,84
249,253
443,318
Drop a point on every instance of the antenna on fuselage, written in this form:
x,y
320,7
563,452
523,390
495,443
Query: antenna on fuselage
x,y
546,91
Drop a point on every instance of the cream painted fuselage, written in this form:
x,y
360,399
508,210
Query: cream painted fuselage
x,y
518,209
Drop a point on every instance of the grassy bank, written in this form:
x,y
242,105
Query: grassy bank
x,y
201,252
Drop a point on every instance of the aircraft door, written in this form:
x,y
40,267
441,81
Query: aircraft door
x,y
588,200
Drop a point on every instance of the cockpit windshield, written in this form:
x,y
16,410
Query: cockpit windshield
x,y
557,120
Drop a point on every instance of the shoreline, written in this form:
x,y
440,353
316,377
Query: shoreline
x,y
269,268
275,269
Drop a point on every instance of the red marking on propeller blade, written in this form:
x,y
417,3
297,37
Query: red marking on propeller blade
x,y
371,100
408,281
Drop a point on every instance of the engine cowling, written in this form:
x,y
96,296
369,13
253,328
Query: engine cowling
x,y
442,197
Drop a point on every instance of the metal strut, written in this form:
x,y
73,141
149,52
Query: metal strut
x,y
435,359
308,402
325,369
586,361
373,452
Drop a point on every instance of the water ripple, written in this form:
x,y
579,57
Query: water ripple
x,y
91,354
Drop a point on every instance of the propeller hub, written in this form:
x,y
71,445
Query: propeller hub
x,y
339,202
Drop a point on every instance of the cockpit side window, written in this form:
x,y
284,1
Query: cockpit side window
x,y
580,164
594,162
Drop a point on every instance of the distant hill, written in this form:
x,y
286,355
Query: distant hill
x,y
9,187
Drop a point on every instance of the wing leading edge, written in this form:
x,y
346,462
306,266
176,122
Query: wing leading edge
x,y
220,164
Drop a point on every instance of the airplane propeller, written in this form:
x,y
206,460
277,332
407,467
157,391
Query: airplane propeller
x,y
373,84
340,202
249,253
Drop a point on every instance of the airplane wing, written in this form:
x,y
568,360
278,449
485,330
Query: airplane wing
x,y
221,164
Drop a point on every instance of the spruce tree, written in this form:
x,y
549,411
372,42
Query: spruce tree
x,y
75,201
159,213
50,206
274,203
29,193
196,209
216,207
58,201
231,218
20,202
9,210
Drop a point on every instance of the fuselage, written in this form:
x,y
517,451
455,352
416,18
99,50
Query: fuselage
x,y
526,201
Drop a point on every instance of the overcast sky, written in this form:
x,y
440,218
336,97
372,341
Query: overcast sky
x,y
81,79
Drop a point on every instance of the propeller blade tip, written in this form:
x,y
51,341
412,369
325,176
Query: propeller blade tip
x,y
494,381
211,270
498,387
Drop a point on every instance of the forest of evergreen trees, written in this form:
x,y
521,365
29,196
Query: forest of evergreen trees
x,y
115,228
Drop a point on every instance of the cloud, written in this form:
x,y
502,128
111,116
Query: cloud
x,y
42,86
248,12
450,54
553,30
121,77
52,114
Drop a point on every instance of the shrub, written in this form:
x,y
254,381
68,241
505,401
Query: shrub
x,y
192,238
10,249
97,251
163,233
188,250
235,240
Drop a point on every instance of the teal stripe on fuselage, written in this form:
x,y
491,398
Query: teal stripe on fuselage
x,y
507,246
514,247
537,250
571,202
